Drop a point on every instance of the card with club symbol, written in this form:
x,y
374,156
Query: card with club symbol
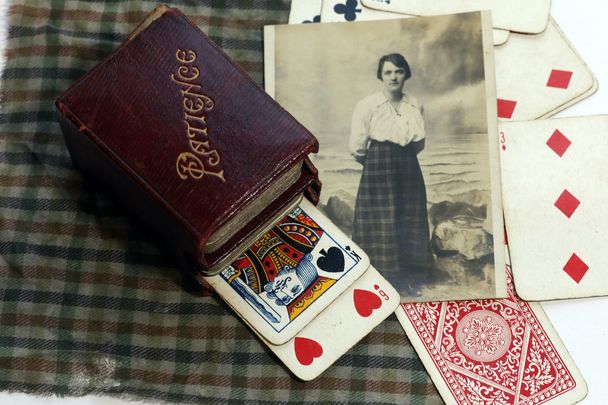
x,y
305,11
291,273
355,10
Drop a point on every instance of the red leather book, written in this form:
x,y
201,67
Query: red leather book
x,y
187,142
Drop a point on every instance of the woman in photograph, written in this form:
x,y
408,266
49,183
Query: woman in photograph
x,y
391,220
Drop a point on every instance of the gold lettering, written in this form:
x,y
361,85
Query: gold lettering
x,y
192,131
187,89
207,101
193,106
181,56
212,157
188,165
188,86
182,72
199,147
219,175
200,118
194,101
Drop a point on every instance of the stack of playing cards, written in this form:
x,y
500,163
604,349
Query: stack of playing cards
x,y
499,349
307,291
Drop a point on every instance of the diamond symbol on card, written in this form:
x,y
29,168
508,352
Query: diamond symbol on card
x,y
559,79
558,143
576,268
505,107
567,203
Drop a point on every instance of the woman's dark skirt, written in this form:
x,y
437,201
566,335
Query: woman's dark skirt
x,y
391,220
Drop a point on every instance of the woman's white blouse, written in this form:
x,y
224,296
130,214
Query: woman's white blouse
x,y
376,118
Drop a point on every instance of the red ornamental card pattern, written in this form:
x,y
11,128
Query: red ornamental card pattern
x,y
491,351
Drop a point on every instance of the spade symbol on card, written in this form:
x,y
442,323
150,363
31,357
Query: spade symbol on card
x,y
349,9
331,260
307,350
366,302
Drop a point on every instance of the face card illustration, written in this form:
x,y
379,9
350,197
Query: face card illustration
x,y
305,11
354,314
492,352
552,76
555,193
525,16
291,273
355,10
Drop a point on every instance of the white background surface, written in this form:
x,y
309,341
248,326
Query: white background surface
x,y
582,324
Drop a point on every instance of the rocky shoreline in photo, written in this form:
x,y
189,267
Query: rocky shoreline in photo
x,y
461,240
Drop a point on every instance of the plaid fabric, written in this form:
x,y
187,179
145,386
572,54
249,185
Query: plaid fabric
x,y
89,304
391,219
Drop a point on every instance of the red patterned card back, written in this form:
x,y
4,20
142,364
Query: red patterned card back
x,y
491,351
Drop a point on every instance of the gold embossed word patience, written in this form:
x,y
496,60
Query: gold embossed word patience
x,y
201,159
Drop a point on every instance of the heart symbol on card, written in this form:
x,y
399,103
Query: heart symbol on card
x,y
366,302
307,350
331,260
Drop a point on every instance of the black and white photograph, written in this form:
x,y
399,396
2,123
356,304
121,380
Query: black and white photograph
x,y
404,111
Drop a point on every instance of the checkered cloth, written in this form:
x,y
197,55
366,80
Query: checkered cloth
x,y
89,304
391,220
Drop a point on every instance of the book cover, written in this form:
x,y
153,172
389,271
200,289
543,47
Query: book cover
x,y
184,138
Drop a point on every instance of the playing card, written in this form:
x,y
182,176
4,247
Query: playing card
x,y
575,100
500,36
492,352
554,194
354,10
291,273
354,314
305,11
526,16
539,75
